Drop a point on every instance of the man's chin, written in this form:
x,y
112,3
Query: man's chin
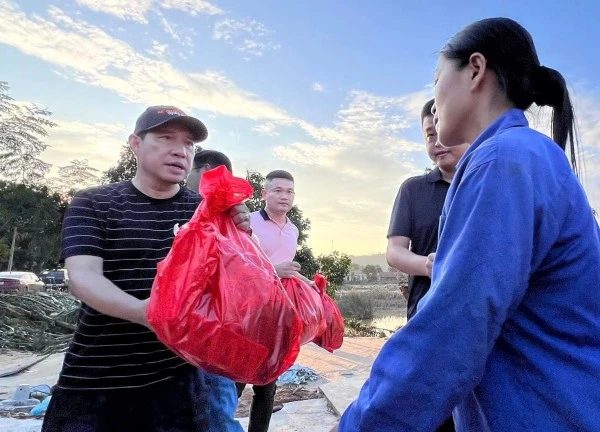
x,y
447,167
172,179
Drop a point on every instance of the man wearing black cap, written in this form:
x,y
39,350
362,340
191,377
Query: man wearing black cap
x,y
116,375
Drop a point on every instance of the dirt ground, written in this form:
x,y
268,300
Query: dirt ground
x,y
284,394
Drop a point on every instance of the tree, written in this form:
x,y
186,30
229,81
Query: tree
x,y
73,177
372,272
257,180
307,261
22,128
392,269
335,267
37,213
124,169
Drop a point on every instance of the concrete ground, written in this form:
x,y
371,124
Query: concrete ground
x,y
342,374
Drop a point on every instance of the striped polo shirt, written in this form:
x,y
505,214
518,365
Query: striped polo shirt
x,y
279,243
131,232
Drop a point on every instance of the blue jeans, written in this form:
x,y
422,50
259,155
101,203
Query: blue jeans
x,y
194,400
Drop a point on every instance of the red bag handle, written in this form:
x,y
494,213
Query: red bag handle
x,y
221,190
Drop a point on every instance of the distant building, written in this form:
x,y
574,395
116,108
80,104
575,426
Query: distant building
x,y
389,277
355,276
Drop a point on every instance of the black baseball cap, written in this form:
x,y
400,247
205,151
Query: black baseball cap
x,y
159,115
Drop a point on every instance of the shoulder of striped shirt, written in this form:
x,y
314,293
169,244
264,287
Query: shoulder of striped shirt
x,y
120,189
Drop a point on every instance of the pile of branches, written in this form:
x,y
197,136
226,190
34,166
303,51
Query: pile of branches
x,y
38,322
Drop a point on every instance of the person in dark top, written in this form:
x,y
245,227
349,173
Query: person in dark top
x,y
117,376
413,231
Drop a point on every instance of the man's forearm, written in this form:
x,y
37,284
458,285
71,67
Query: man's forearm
x,y
101,294
406,261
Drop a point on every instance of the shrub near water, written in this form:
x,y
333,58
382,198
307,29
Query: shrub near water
x,y
356,305
368,302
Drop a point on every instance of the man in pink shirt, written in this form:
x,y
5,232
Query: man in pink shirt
x,y
278,238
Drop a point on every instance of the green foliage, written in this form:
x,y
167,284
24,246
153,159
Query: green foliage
x,y
4,250
37,214
372,272
356,305
335,267
307,260
257,180
124,169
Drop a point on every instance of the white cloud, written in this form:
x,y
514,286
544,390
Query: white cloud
x,y
89,55
318,87
248,36
193,7
158,50
99,143
124,9
267,129
137,10
184,36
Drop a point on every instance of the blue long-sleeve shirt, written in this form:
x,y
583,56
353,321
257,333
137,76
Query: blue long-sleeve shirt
x,y
508,338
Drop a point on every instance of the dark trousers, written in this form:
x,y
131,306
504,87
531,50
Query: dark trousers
x,y
262,405
192,401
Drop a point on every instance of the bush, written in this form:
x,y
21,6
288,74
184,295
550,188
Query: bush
x,y
356,328
356,305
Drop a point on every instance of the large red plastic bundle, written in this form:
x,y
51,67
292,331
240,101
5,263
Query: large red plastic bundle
x,y
309,306
216,300
333,337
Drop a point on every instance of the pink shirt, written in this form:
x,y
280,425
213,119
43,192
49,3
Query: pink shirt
x,y
278,243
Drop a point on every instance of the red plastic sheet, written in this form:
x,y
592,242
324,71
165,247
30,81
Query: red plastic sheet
x,y
333,337
216,300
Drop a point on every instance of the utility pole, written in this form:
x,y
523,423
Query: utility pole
x,y
12,249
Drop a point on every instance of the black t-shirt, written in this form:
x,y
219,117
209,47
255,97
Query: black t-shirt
x,y
131,232
416,215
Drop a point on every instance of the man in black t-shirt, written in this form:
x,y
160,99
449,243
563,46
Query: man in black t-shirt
x,y
413,231
117,376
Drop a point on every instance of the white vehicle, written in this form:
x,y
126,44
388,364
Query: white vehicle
x,y
16,281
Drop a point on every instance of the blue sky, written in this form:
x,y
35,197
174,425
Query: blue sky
x,y
329,90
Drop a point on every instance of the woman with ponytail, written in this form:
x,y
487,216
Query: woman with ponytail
x,y
508,337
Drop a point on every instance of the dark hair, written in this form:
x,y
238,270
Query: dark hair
x,y
281,174
426,111
511,54
213,158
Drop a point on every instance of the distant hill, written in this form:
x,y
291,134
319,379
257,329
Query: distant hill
x,y
374,259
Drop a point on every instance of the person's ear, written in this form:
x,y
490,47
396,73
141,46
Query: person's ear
x,y
477,69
